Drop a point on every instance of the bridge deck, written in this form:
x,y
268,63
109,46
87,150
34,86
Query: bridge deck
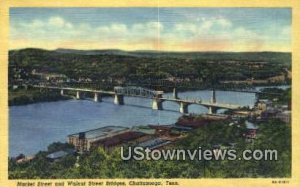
x,y
76,89
178,100
199,102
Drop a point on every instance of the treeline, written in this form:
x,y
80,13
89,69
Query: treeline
x,y
282,97
29,96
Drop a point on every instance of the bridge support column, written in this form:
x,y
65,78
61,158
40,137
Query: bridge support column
x,y
256,97
62,92
183,108
213,97
157,104
119,99
77,95
175,93
212,110
97,97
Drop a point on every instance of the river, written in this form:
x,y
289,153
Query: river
x,y
33,127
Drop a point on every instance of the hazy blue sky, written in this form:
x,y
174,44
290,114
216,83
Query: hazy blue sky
x,y
180,29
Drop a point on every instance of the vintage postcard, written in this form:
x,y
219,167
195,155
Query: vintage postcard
x,y
162,93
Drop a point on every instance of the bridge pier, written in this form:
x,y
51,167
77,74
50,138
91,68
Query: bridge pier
x,y
119,99
77,95
157,104
184,108
213,98
175,93
62,92
212,110
256,97
97,97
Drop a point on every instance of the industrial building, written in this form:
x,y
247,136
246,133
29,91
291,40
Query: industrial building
x,y
84,140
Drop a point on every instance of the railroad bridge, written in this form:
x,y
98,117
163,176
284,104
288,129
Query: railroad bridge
x,y
157,97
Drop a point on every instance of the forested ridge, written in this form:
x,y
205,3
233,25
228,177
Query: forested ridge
x,y
116,64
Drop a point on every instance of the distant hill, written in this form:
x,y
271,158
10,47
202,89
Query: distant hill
x,y
94,52
278,57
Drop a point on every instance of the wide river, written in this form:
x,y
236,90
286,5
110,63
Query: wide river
x,y
33,127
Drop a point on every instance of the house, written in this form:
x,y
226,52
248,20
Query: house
x,y
263,104
284,116
22,158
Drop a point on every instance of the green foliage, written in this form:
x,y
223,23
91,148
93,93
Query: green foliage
x,y
283,96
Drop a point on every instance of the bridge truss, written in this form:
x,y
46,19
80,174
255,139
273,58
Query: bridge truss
x,y
135,91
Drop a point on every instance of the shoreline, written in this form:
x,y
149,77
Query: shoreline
x,y
21,97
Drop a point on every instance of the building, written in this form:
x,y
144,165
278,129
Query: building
x,y
284,116
242,114
263,104
82,141
200,121
162,130
270,113
251,131
125,138
170,132
22,158
49,76
144,129
155,143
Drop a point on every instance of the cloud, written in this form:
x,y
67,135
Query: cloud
x,y
50,29
56,22
224,22
186,27
118,28
204,34
203,27
241,33
36,24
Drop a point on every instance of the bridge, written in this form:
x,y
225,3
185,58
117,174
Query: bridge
x,y
195,85
157,97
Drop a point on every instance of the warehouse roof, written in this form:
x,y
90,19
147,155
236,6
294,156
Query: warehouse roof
x,y
102,132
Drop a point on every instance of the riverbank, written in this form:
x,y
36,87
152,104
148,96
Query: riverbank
x,y
30,96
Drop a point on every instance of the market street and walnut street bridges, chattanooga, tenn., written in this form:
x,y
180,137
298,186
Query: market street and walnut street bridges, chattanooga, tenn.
x,y
157,97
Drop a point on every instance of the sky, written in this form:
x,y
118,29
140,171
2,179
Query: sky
x,y
166,29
